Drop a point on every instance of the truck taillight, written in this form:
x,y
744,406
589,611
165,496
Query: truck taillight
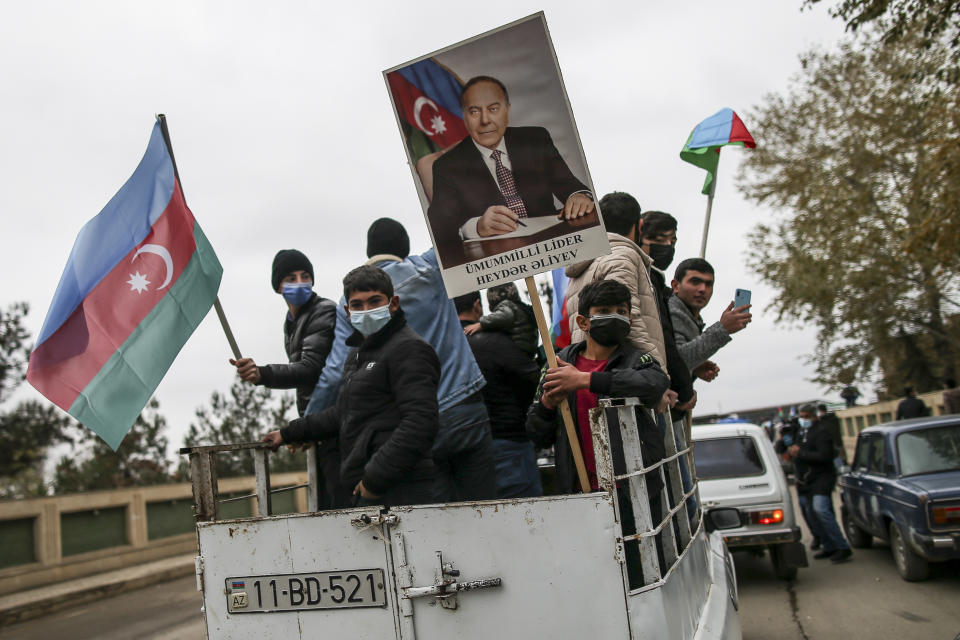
x,y
946,515
774,516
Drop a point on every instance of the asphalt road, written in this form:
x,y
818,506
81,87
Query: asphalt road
x,y
863,598
166,611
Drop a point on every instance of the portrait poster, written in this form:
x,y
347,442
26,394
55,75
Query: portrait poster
x,y
496,158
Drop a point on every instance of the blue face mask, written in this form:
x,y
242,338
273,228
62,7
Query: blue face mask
x,y
298,293
369,322
805,423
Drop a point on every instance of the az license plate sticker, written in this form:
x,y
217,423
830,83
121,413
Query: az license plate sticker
x,y
307,591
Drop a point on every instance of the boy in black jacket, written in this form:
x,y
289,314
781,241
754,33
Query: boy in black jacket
x,y
386,416
602,366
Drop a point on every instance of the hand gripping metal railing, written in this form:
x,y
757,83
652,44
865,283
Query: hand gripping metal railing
x,y
680,512
203,476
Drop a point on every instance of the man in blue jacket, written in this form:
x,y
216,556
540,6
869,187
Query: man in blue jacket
x,y
463,451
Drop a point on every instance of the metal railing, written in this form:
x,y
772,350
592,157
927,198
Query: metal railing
x,y
661,543
203,475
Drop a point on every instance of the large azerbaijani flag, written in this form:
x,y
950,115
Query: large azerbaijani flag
x,y
703,146
140,278
427,97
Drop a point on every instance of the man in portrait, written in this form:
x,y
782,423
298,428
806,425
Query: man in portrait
x,y
497,177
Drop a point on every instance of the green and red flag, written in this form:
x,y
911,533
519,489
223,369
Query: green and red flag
x,y
138,282
703,146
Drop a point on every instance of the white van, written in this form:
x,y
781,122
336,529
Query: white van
x,y
737,468
550,567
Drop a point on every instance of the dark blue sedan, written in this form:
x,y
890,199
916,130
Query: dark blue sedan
x,y
904,487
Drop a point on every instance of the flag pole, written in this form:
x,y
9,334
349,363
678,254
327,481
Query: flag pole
x,y
564,405
706,221
162,119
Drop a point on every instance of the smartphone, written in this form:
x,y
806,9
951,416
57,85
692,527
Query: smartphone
x,y
740,298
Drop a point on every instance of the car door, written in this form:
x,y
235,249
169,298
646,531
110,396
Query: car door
x,y
853,494
874,481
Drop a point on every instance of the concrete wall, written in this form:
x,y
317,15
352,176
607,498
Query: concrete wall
x,y
48,540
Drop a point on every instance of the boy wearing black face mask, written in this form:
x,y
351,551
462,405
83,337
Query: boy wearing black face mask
x,y
307,330
603,365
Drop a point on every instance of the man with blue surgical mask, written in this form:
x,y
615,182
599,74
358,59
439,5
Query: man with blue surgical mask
x,y
308,331
816,476
463,450
386,416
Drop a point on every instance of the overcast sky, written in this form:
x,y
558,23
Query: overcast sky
x,y
284,137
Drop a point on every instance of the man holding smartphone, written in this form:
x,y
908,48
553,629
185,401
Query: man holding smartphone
x,y
692,289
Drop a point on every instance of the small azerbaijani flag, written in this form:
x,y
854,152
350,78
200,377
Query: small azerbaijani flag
x,y
140,278
238,584
560,320
703,146
427,97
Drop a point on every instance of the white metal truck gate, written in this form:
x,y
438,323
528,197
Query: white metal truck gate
x,y
533,567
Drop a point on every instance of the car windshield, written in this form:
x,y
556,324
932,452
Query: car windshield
x,y
929,450
727,458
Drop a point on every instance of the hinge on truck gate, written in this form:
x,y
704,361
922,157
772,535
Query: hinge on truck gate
x,y
366,520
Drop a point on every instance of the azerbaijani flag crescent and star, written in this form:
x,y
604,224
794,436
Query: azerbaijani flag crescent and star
x,y
703,146
427,97
139,280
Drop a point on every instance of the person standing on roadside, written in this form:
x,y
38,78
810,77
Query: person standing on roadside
x,y
911,406
832,423
816,475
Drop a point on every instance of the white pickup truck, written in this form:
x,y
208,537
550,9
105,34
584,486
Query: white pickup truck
x,y
550,567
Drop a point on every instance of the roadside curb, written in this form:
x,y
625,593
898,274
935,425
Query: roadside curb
x,y
34,603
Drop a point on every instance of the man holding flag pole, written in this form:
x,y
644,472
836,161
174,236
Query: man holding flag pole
x,y
139,280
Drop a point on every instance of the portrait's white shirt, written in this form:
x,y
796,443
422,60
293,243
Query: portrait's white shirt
x,y
469,229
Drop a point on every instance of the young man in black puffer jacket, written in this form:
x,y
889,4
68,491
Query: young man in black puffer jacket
x,y
386,416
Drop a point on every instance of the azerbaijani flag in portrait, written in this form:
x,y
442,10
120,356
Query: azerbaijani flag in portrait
x,y
139,280
703,146
427,96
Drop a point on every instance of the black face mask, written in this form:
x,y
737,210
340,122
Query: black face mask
x,y
662,255
609,330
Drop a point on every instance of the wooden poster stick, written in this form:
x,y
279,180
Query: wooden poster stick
x,y
564,405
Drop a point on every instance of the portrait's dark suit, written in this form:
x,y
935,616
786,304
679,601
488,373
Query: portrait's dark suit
x,y
463,187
